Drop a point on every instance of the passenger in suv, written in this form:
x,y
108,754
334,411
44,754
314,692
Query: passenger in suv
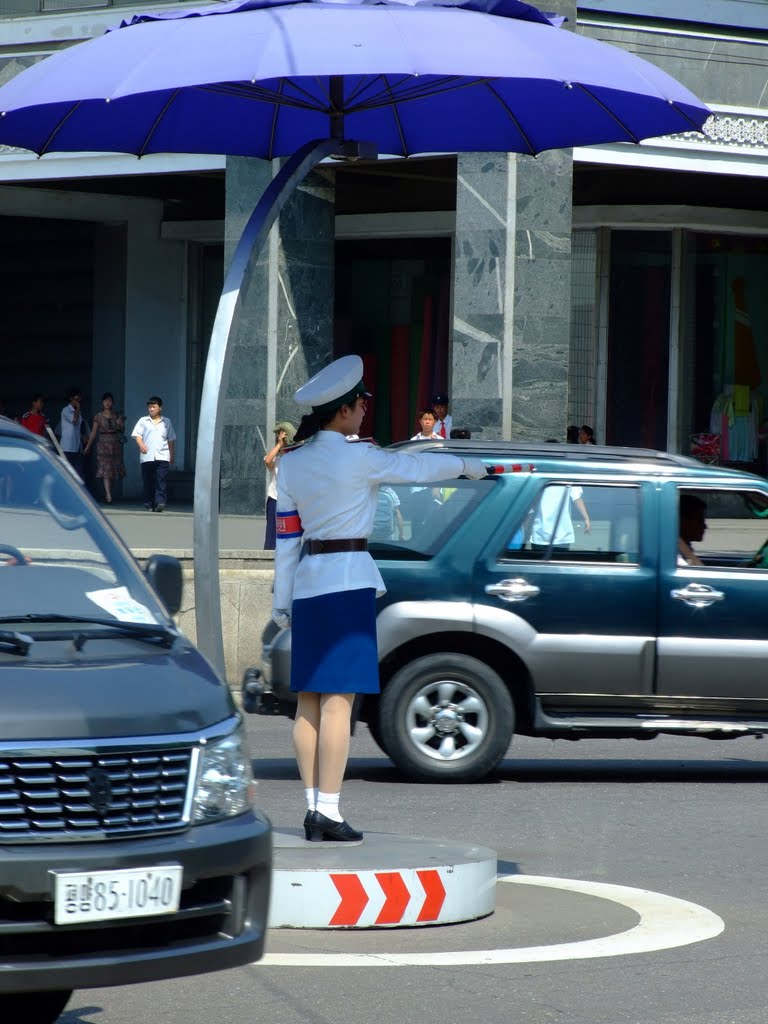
x,y
483,634
693,525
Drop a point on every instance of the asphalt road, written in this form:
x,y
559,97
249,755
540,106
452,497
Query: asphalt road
x,y
682,817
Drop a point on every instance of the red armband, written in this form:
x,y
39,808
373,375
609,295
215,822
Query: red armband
x,y
289,525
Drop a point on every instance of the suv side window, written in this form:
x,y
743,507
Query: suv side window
x,y
722,527
574,523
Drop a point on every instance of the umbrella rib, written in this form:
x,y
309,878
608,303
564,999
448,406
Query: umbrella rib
x,y
44,148
273,127
523,133
420,91
249,91
396,115
156,122
599,102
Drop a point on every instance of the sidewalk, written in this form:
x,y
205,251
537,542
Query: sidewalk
x,y
171,531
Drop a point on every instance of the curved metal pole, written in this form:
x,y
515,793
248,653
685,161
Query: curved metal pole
x,y
208,459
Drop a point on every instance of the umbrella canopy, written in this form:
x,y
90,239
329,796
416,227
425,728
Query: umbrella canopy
x,y
262,77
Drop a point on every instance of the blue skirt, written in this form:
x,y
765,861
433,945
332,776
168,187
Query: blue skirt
x,y
333,643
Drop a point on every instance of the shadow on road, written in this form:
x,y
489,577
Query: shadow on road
x,y
591,770
80,1014
628,770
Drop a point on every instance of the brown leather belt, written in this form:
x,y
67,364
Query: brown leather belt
x,y
332,547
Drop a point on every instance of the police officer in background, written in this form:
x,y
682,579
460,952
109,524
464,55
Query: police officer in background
x,y
326,583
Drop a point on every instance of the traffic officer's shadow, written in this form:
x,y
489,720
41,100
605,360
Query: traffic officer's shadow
x,y
79,1014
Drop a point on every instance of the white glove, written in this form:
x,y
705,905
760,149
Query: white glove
x,y
281,617
475,469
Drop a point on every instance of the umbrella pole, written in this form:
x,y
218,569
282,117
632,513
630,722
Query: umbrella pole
x,y
208,459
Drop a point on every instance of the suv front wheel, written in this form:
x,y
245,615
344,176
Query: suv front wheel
x,y
446,717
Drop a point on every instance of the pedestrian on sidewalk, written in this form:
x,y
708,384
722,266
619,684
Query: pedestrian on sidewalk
x,y
427,420
284,434
444,420
326,582
71,431
156,440
106,436
35,419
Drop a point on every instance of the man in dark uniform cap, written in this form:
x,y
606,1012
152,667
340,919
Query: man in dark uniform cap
x,y
444,418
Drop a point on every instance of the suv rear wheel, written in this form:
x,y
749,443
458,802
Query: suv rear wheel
x,y
446,717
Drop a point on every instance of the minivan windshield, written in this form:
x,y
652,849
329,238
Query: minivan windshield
x,y
58,558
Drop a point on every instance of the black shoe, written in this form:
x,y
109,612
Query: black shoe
x,y
307,824
321,828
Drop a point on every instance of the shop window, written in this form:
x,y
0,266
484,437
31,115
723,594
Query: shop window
x,y
724,372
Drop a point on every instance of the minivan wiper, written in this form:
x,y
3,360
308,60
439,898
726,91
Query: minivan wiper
x,y
139,630
18,642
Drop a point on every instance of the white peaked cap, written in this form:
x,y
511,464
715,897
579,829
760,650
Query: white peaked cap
x,y
337,383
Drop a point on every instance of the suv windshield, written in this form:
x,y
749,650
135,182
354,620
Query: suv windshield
x,y
57,556
412,521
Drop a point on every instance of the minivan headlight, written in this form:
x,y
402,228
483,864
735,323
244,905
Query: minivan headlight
x,y
225,785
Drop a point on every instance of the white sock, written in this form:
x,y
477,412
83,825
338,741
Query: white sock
x,y
311,795
328,804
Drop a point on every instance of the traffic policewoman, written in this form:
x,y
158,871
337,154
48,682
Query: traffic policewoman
x,y
326,582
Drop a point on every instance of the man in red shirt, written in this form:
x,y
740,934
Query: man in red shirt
x,y
34,420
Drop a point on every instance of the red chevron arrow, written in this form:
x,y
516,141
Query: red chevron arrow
x,y
397,897
434,891
353,899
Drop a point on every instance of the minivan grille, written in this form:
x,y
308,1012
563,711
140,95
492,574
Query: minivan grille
x,y
93,795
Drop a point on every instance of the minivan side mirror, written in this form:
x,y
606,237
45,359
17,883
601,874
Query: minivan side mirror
x,y
164,575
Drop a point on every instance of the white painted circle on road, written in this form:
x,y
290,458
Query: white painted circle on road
x,y
665,923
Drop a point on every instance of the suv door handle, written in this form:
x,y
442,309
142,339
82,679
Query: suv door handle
x,y
513,590
698,595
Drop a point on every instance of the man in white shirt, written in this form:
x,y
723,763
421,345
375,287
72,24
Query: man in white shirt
x,y
156,440
71,436
552,524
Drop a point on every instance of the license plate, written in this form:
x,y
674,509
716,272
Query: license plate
x,y
112,895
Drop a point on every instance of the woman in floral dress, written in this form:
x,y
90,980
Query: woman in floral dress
x,y
107,434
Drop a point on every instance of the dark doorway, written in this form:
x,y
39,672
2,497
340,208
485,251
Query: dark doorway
x,y
392,307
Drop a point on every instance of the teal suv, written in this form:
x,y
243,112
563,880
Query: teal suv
x,y
555,598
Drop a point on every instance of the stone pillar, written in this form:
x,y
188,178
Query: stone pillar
x,y
512,292
512,295
285,329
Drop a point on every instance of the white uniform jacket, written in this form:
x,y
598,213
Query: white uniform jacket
x,y
328,489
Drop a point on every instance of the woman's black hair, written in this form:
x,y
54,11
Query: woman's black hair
x,y
106,395
311,423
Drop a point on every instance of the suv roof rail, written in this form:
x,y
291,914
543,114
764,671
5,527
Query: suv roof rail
x,y
551,450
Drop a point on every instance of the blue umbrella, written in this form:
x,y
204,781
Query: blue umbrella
x,y
300,78
261,78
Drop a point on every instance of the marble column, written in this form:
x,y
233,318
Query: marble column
x,y
285,330
512,282
511,296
